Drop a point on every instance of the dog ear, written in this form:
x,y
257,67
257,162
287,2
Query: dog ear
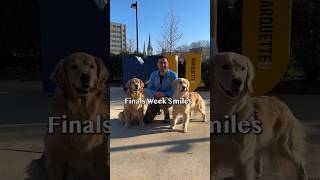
x,y
127,85
188,84
103,73
59,75
250,74
174,84
142,84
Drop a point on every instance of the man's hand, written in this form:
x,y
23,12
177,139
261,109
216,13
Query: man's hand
x,y
158,94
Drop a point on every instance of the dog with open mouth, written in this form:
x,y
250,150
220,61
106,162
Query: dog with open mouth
x,y
133,113
197,104
282,137
80,96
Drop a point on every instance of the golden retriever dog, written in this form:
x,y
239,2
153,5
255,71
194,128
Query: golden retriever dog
x,y
195,104
133,107
80,80
274,129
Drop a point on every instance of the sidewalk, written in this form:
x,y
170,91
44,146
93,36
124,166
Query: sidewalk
x,y
149,152
19,99
155,151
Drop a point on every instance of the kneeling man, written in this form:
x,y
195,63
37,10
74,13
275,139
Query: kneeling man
x,y
160,85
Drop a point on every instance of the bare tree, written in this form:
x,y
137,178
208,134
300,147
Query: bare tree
x,y
200,44
183,48
130,45
170,34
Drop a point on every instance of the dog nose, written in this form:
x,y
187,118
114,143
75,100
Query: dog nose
x,y
85,78
236,82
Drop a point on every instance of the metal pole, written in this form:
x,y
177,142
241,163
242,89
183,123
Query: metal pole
x,y
213,18
213,26
137,26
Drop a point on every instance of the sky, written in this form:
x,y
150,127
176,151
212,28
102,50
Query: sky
x,y
194,19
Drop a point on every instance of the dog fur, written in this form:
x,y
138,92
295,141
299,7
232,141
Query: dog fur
x,y
80,80
133,113
282,138
181,90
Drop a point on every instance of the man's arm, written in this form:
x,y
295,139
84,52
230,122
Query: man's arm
x,y
170,92
150,90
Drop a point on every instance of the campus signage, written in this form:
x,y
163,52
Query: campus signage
x,y
193,69
266,40
173,62
136,67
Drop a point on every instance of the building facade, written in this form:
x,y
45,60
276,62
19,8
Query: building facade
x,y
118,38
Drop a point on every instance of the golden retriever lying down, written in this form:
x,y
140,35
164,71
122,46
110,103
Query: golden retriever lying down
x,y
181,91
278,134
81,79
133,113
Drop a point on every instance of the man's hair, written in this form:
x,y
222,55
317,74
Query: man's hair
x,y
162,56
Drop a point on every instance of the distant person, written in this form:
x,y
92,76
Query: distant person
x,y
160,85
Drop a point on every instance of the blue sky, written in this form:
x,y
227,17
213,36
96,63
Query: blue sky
x,y
194,19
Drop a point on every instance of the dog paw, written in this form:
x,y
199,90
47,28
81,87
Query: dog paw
x,y
185,130
204,118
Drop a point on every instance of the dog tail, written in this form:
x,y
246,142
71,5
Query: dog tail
x,y
289,149
201,105
36,170
297,138
121,116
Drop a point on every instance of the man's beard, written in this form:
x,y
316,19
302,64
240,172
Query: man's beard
x,y
164,70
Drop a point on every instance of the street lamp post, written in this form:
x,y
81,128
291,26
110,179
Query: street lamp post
x,y
135,5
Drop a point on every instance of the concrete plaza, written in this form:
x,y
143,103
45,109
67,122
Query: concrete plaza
x,y
150,152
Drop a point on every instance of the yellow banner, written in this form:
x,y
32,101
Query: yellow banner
x,y
173,62
266,40
193,69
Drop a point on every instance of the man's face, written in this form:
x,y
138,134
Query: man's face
x,y
163,65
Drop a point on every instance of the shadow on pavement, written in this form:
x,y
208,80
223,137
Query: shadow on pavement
x,y
179,145
118,130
